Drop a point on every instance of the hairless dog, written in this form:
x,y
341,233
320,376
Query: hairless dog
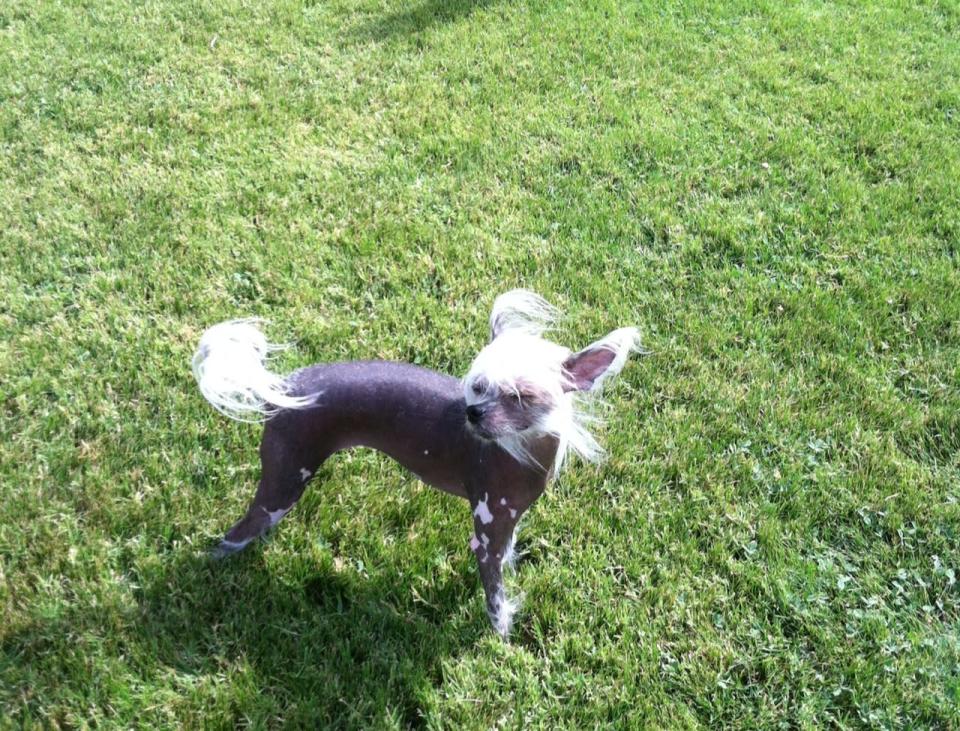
x,y
494,437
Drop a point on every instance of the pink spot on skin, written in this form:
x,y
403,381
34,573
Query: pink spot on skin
x,y
503,501
513,513
474,543
483,512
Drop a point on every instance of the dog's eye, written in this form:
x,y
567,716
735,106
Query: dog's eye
x,y
477,389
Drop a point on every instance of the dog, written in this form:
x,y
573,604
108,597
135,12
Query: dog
x,y
495,437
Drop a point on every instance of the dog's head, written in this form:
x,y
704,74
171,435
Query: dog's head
x,y
522,386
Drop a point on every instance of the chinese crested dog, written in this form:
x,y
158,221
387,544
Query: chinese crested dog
x,y
494,437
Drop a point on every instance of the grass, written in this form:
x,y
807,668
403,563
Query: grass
x,y
770,191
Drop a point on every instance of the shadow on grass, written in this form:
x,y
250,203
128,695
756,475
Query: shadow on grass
x,y
419,18
334,645
324,649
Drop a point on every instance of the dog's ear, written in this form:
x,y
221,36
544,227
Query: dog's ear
x,y
520,310
587,369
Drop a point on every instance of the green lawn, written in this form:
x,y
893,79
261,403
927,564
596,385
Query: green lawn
x,y
770,192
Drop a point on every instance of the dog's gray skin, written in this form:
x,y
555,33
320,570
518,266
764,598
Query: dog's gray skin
x,y
420,418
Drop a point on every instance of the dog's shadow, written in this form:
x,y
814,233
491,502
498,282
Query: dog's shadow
x,y
338,648
309,645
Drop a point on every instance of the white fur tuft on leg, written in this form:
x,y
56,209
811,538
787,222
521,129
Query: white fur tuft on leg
x,y
502,612
230,368
509,553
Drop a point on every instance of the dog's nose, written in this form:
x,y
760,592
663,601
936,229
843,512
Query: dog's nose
x,y
474,413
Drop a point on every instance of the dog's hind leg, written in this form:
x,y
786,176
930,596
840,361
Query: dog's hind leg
x,y
286,469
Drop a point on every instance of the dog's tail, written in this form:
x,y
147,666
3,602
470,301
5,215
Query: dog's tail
x,y
230,367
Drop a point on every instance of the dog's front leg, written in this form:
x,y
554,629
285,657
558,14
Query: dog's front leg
x,y
494,522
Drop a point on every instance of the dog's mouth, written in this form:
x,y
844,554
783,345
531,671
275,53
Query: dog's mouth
x,y
481,431
485,433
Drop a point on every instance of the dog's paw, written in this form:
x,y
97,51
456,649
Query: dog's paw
x,y
226,548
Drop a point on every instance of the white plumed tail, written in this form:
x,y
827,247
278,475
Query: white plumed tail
x,y
230,367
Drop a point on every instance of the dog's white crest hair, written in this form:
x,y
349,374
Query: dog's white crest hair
x,y
230,368
521,310
518,354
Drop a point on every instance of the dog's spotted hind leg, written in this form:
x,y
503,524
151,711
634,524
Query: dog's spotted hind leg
x,y
283,480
